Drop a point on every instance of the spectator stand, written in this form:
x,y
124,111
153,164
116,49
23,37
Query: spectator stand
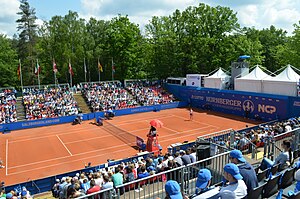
x,y
102,96
49,102
8,109
148,92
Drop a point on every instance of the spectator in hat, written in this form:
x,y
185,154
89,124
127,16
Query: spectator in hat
x,y
246,170
235,183
203,181
173,191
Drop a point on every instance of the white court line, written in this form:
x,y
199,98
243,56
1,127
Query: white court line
x,y
81,140
63,157
64,145
50,135
183,136
196,121
141,120
139,130
6,158
63,163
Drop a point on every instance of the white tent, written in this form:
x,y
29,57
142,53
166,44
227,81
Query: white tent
x,y
251,82
284,83
217,80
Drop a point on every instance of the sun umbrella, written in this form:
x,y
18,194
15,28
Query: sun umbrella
x,y
156,123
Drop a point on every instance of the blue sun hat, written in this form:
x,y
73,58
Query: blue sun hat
x,y
204,175
173,189
233,170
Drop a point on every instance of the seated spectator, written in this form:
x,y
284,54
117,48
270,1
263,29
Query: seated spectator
x,y
93,188
285,157
246,169
172,189
203,181
107,184
144,173
236,185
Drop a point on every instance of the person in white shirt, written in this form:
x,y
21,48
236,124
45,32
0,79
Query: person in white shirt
x,y
235,183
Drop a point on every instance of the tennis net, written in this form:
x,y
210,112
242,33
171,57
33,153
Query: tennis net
x,y
121,134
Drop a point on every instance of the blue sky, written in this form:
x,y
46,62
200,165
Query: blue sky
x,y
251,13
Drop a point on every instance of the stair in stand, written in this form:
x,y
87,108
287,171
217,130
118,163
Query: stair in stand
x,y
20,109
81,103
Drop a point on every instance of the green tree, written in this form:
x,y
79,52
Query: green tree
x,y
27,39
8,63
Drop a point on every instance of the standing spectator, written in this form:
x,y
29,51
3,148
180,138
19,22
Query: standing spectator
x,y
178,159
246,170
117,178
185,157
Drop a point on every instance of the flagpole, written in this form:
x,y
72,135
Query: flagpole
x,y
70,73
84,69
38,71
99,70
21,78
53,62
112,70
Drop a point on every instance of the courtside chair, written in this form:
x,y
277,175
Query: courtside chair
x,y
287,178
271,187
256,192
262,175
274,169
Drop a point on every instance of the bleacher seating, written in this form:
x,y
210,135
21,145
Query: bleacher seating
x,y
49,102
149,93
8,111
107,95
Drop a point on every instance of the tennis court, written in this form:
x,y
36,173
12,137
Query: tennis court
x,y
41,152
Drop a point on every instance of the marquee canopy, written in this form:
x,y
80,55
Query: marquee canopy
x,y
217,80
251,82
285,83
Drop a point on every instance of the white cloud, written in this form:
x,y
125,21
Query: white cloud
x,y
8,16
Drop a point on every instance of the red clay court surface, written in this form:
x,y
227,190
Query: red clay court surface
x,y
46,151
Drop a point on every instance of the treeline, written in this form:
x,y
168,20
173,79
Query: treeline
x,y
196,40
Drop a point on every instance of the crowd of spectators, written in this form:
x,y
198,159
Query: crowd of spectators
x,y
8,111
93,181
49,103
107,96
149,93
259,136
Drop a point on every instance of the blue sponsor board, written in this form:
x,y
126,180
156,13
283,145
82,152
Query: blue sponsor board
x,y
88,116
263,106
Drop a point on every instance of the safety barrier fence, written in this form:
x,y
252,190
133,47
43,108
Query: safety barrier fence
x,y
153,186
45,184
273,147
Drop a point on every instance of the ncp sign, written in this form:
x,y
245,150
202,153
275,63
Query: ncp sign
x,y
266,109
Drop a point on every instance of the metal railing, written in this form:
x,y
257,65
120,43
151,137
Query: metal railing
x,y
153,186
272,147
